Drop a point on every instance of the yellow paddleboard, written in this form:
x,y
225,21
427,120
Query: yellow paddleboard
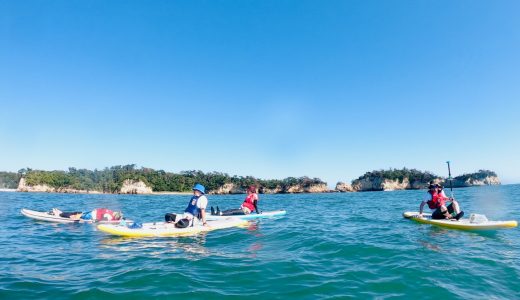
x,y
463,223
162,229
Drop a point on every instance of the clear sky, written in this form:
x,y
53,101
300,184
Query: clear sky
x,y
327,89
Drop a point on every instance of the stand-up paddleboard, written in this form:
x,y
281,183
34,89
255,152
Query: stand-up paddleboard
x,y
464,224
162,229
46,216
253,215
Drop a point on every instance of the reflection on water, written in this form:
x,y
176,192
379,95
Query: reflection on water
x,y
253,228
430,246
156,247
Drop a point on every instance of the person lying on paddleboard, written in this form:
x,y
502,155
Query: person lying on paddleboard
x,y
196,209
436,201
249,204
98,214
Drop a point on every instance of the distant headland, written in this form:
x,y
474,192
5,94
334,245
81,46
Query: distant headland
x,y
131,180
412,179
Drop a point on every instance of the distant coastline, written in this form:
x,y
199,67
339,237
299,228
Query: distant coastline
x,y
130,180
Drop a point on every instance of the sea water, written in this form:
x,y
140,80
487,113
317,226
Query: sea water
x,y
328,246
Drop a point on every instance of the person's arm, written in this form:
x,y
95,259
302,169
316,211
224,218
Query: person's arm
x,y
443,194
255,204
421,208
203,216
203,206
446,213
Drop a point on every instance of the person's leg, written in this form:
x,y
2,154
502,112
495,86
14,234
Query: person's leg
x,y
438,215
71,215
76,215
170,218
450,208
456,206
232,212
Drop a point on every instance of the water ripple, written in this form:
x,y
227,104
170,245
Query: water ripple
x,y
328,246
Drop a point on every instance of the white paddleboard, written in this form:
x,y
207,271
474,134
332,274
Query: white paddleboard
x,y
46,216
253,215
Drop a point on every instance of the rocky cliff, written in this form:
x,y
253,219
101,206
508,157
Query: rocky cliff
x,y
344,187
129,187
312,188
379,184
489,180
230,188
43,188
134,187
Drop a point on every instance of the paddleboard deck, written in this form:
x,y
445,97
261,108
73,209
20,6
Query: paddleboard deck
x,y
48,217
463,223
162,229
253,215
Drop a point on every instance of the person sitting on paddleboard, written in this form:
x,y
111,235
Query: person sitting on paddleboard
x,y
436,201
196,209
96,215
249,204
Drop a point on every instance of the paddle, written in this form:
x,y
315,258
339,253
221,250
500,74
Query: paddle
x,y
449,177
451,192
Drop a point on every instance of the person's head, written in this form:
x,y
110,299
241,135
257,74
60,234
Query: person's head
x,y
251,189
198,189
118,215
432,188
439,187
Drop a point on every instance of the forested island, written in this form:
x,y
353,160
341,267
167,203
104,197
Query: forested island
x,y
128,179
412,179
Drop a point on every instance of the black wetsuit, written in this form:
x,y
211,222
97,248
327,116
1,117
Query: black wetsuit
x,y
238,211
439,215
69,214
232,212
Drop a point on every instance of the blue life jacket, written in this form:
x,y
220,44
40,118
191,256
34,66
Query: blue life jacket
x,y
86,215
192,207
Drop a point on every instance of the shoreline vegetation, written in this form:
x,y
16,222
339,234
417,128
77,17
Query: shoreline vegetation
x,y
131,180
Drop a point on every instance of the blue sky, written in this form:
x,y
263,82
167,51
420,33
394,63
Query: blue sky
x,y
327,89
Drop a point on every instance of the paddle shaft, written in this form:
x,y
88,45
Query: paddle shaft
x,y
449,177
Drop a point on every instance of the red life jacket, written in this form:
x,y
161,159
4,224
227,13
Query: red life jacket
x,y
100,212
249,202
437,200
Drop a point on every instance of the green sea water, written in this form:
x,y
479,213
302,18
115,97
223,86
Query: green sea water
x,y
328,246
